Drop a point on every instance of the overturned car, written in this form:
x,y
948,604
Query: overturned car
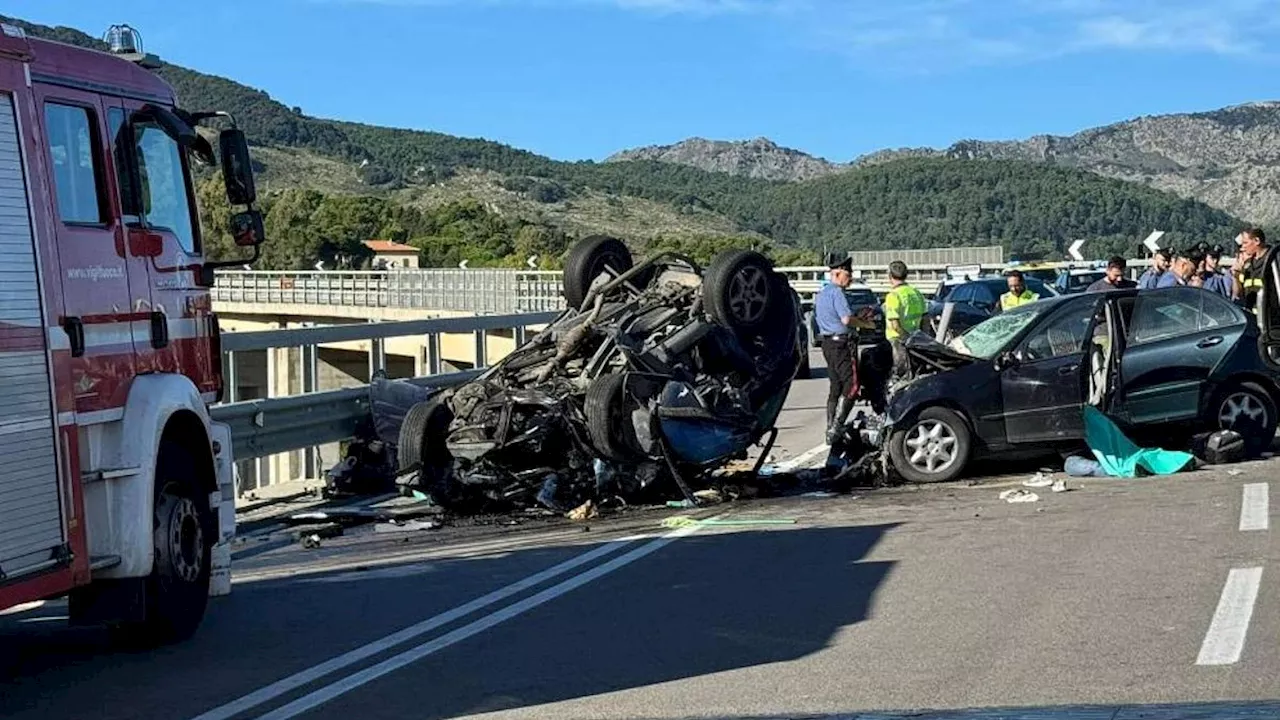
x,y
656,374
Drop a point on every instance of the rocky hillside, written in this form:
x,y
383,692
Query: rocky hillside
x,y
760,158
1228,158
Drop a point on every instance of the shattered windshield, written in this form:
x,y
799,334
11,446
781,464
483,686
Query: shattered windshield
x,y
991,336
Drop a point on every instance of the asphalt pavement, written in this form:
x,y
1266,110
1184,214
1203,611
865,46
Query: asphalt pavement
x,y
1096,602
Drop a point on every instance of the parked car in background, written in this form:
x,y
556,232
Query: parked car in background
x,y
975,301
1072,280
1044,272
1168,360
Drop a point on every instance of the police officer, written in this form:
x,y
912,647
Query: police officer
x,y
837,325
1018,293
1160,263
1215,280
903,308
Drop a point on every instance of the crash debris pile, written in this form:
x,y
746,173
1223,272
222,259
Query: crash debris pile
x,y
656,375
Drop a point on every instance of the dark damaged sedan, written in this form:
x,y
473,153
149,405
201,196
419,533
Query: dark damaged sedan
x,y
1178,359
656,374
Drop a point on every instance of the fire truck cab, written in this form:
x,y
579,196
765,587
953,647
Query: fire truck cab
x,y
116,488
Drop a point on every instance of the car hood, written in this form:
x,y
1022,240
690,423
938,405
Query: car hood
x,y
923,346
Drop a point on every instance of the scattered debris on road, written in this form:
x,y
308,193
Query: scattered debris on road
x,y
1038,480
1019,495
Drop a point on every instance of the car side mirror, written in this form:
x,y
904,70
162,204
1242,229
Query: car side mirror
x,y
1006,360
237,168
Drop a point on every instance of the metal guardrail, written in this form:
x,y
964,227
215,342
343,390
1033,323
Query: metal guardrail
x,y
491,290
264,427
479,291
261,428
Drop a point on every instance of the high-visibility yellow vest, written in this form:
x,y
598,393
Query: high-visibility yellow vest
x,y
906,305
1009,301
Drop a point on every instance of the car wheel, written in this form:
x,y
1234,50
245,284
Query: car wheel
x,y
422,443
1247,408
806,370
932,448
738,290
609,419
587,259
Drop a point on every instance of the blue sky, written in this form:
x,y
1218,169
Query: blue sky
x,y
578,79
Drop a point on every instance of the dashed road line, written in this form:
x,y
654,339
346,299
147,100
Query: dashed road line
x,y
344,685
1254,508
1224,642
347,659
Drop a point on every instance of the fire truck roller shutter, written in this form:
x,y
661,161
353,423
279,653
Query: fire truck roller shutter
x,y
31,523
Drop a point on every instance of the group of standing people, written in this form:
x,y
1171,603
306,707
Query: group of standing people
x,y
1199,267
904,308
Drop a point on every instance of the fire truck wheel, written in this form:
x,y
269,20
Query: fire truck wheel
x,y
178,589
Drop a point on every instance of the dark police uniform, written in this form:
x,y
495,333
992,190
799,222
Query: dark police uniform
x,y
839,349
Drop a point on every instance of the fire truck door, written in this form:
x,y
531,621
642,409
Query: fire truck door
x,y
31,524
160,215
98,318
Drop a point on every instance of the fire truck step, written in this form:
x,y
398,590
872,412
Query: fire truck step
x,y
102,562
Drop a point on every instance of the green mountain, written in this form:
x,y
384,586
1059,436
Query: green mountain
x,y
332,184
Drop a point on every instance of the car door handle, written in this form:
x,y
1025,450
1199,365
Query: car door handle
x,y
1069,369
1209,341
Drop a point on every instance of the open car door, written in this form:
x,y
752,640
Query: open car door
x,y
1268,310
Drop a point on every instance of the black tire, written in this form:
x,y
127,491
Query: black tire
x,y
177,591
421,444
954,427
609,421
1258,433
587,259
738,290
806,366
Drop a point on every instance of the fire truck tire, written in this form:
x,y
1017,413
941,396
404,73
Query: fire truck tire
x,y
177,591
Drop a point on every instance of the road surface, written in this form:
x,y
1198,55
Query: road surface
x,y
1116,594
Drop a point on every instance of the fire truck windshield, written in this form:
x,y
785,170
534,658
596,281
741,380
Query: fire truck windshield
x,y
162,183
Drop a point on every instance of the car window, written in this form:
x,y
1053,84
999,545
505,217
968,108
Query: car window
x,y
1217,311
961,294
1040,289
1063,334
1178,311
860,297
991,336
988,293
1083,279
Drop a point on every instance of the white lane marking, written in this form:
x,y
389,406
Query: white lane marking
x,y
24,607
395,662
1225,640
1254,507
298,679
799,462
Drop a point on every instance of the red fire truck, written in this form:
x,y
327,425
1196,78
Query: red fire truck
x,y
115,487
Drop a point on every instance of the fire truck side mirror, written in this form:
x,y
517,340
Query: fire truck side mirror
x,y
237,168
246,228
